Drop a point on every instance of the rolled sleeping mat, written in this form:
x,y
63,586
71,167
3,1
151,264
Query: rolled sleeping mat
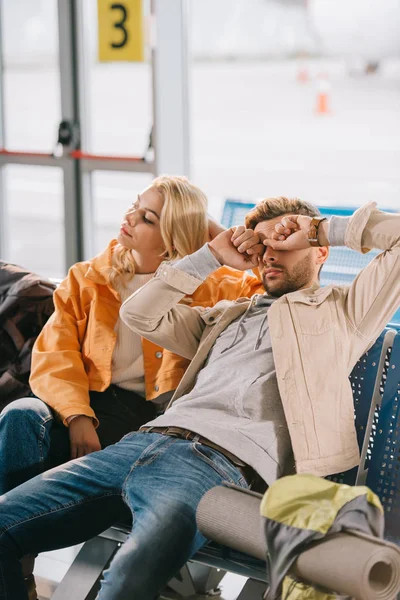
x,y
360,566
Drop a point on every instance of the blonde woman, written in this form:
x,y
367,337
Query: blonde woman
x,y
93,378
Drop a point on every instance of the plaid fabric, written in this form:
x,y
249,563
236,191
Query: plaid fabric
x,y
26,302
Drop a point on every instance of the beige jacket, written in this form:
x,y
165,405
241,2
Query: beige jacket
x,y
317,335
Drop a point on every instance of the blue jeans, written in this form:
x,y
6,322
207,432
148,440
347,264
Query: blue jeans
x,y
159,478
25,427
32,440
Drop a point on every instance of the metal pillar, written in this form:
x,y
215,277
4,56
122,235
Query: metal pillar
x,y
170,87
4,241
68,51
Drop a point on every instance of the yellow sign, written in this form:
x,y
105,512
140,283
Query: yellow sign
x,y
120,30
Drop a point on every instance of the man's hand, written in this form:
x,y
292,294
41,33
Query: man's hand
x,y
237,247
83,437
292,233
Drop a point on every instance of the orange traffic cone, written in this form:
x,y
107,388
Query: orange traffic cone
x,y
322,106
322,103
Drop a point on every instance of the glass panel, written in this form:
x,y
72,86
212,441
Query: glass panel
x,y
119,97
31,74
275,111
113,192
34,197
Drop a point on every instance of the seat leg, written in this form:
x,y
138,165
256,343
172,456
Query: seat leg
x,y
205,579
253,590
195,578
82,579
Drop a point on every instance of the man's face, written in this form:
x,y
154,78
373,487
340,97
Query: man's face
x,y
285,271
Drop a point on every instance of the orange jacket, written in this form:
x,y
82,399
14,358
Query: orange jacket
x,y
73,353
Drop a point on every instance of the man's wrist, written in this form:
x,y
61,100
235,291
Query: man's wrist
x,y
216,254
314,234
337,230
323,230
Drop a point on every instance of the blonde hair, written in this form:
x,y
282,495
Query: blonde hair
x,y
270,208
183,224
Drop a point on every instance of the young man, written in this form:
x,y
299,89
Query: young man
x,y
269,377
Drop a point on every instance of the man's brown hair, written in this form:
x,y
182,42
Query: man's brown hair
x,y
270,208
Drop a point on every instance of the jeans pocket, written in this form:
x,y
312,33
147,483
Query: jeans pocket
x,y
128,435
220,464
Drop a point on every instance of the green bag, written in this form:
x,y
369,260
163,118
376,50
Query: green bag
x,y
301,509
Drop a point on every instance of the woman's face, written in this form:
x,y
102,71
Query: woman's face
x,y
140,228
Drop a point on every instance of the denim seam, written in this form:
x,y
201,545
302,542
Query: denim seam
x,y
47,419
43,420
40,442
212,464
50,512
163,442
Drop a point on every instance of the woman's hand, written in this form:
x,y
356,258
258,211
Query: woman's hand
x,y
83,437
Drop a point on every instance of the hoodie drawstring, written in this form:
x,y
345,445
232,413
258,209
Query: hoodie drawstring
x,y
259,335
240,323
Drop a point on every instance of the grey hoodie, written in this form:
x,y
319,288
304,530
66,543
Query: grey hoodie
x,y
235,401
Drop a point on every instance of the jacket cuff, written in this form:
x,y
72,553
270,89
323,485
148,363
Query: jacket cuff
x,y
179,280
355,229
337,230
199,264
72,417
77,411
188,273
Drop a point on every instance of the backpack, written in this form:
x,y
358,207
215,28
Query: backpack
x,y
26,303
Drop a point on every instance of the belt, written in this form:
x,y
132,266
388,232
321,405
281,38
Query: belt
x,y
185,434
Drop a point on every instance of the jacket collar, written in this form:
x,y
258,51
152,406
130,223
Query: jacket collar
x,y
99,267
315,294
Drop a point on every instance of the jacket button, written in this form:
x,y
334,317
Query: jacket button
x,y
158,354
156,387
211,319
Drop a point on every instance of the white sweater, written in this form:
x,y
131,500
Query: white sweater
x,y
127,360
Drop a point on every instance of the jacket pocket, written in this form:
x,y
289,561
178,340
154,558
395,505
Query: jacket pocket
x,y
313,318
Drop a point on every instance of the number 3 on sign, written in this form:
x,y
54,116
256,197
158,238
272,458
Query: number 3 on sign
x,y
120,29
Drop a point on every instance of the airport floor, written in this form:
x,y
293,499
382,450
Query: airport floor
x,y
50,567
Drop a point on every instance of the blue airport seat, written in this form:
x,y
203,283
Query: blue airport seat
x,y
342,265
367,384
384,469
